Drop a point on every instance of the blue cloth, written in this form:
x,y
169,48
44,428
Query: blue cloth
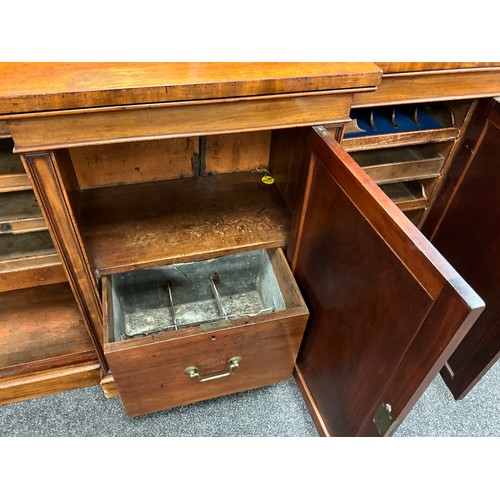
x,y
383,123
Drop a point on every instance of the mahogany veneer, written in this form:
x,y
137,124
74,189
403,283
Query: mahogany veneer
x,y
137,165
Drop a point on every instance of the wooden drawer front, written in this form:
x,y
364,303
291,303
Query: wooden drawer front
x,y
150,371
151,377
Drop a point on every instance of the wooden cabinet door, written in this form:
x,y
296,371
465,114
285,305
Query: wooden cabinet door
x,y
386,309
465,228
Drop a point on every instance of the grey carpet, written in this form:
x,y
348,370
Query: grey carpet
x,y
277,410
438,414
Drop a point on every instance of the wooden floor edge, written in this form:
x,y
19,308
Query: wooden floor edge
x,y
44,383
310,403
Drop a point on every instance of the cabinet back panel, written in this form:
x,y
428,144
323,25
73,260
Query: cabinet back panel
x,y
160,160
97,166
237,152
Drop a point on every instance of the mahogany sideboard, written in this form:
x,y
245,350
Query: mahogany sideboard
x,y
364,193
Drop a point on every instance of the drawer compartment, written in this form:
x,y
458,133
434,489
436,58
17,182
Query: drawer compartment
x,y
192,331
401,164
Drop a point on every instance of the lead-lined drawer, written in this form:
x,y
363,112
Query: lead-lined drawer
x,y
188,332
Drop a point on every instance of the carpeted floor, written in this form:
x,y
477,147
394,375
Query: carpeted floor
x,y
271,411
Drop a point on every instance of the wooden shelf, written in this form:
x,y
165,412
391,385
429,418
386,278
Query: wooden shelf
x,y
393,126
12,174
401,164
28,260
31,271
406,195
14,182
42,329
20,213
20,247
141,225
352,144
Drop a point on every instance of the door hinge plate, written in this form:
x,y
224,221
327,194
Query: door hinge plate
x,y
383,418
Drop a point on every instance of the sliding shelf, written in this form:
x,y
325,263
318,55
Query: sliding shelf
x,y
28,260
391,126
401,139
142,225
20,213
401,164
12,174
407,196
45,345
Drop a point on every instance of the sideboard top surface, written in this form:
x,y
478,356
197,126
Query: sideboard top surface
x,y
28,87
404,67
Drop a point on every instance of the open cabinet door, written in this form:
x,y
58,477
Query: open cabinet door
x,y
467,233
386,308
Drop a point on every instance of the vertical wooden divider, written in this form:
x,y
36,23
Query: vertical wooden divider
x,y
57,197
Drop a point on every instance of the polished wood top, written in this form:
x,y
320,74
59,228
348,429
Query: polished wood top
x,y
27,87
405,67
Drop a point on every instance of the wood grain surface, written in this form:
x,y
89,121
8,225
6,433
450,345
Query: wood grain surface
x,y
53,180
141,225
467,235
427,86
47,86
134,162
377,292
38,384
226,153
119,124
40,325
403,67
31,271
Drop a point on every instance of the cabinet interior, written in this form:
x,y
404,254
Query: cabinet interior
x,y
160,202
406,149
209,292
155,203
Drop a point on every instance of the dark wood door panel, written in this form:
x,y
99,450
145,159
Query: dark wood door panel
x,y
468,235
380,298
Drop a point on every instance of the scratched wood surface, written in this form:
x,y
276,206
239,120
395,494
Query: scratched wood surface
x,y
144,161
40,325
133,226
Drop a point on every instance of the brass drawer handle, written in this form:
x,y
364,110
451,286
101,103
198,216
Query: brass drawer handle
x,y
232,364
